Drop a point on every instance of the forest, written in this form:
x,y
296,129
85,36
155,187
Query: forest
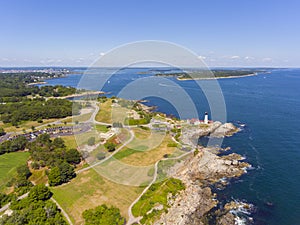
x,y
35,109
15,86
20,101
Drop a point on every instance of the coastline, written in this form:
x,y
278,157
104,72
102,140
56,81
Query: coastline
x,y
217,78
86,93
203,171
44,80
198,203
36,83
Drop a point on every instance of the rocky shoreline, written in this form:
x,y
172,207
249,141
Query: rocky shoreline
x,y
197,204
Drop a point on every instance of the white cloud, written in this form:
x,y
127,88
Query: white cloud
x,y
102,53
249,58
267,59
201,57
50,60
235,57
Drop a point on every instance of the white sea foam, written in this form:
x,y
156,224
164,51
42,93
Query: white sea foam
x,y
242,212
240,221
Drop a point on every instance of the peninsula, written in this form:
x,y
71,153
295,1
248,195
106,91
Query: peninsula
x,y
111,155
211,74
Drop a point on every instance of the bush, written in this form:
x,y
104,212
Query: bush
x,y
35,165
172,144
110,146
100,155
91,141
103,215
2,132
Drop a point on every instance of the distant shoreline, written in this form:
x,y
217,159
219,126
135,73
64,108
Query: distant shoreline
x,y
35,83
86,93
212,78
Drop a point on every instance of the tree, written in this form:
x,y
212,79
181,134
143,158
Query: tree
x,y
67,172
43,139
60,174
103,215
54,177
58,143
23,171
73,156
91,141
110,146
40,192
18,143
2,132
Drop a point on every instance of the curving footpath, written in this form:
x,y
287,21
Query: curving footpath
x,y
62,211
131,218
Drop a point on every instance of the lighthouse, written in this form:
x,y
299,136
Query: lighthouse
x,y
206,118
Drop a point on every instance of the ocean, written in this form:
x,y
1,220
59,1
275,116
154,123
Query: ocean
x,y
269,106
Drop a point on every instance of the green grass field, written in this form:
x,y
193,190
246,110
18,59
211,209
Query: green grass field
x,y
89,190
8,164
101,128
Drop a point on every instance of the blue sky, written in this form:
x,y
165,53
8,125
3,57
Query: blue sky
x,y
224,33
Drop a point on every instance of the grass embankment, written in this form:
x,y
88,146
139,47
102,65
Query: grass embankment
x,y
8,164
104,114
143,154
39,176
70,141
155,201
110,113
101,128
80,118
89,190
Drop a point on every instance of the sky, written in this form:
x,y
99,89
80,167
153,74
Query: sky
x,y
222,32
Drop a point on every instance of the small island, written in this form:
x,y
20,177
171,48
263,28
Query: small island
x,y
211,74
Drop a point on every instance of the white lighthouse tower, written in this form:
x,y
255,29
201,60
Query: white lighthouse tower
x,y
206,118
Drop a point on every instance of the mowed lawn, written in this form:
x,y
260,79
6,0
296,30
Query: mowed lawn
x,y
104,114
139,155
8,164
89,190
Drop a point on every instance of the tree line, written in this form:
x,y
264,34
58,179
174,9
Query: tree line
x,y
14,86
35,109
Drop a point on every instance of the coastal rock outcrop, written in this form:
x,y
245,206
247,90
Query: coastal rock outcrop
x,y
198,172
190,135
226,129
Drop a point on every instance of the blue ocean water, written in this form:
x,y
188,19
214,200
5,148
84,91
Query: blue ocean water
x,y
269,106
